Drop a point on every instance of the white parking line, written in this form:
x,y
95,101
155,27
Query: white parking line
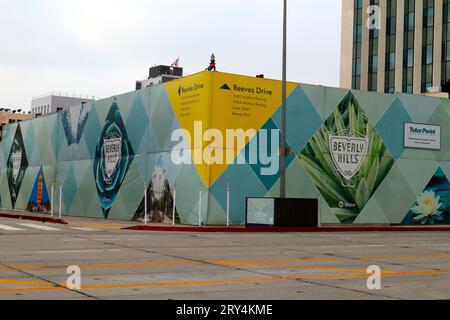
x,y
8,228
37,226
82,229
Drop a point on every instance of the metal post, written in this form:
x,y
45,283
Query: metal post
x,y
200,208
174,203
145,204
228,205
60,197
52,197
283,108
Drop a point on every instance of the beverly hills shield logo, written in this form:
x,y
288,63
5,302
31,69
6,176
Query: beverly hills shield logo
x,y
16,163
112,148
348,150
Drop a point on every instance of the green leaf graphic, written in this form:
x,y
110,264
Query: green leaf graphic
x,y
346,201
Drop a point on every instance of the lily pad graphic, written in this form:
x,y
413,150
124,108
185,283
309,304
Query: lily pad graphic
x,y
433,204
17,164
113,157
347,160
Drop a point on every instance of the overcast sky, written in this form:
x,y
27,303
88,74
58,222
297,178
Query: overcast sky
x,y
100,47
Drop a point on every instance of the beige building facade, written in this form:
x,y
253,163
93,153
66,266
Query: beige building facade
x,y
7,117
396,45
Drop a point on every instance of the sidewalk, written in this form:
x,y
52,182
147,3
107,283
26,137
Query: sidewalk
x,y
31,216
139,226
77,221
239,229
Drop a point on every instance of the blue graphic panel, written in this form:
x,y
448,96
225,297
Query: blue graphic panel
x,y
113,157
390,128
17,164
39,199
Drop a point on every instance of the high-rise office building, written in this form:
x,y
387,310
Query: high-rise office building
x,y
408,52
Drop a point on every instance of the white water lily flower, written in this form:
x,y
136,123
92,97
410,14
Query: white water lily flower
x,y
428,205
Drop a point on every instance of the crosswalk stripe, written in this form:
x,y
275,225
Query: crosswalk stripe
x,y
82,229
37,226
8,228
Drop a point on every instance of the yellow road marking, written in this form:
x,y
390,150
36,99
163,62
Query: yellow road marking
x,y
167,263
106,265
13,281
225,281
434,256
240,262
287,266
226,262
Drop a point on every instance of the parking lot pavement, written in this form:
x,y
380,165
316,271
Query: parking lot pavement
x,y
122,264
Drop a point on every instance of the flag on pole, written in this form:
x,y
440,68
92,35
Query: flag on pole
x,y
175,63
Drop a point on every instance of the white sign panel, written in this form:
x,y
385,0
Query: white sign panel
x,y
113,150
260,211
422,136
17,162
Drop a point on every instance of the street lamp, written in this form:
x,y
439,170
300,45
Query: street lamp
x,y
283,150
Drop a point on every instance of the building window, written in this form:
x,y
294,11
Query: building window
x,y
410,58
408,46
445,63
429,54
357,44
427,45
373,55
391,22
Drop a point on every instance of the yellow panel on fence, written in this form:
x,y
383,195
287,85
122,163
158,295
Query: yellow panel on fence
x,y
214,108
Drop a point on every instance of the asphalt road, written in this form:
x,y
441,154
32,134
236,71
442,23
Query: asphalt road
x,y
119,264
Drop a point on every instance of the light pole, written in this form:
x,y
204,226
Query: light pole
x,y
283,150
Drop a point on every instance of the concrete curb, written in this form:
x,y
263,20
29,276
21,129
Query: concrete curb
x,y
33,218
280,230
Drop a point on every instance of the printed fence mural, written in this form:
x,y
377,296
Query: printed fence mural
x,y
347,151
